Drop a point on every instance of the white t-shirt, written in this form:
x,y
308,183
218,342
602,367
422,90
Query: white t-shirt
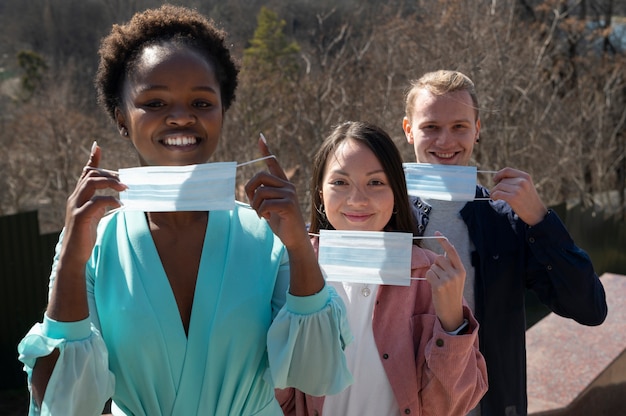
x,y
445,217
371,392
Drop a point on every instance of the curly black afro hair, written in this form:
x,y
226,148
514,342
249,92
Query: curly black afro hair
x,y
119,50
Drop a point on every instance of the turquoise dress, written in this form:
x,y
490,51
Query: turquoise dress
x,y
247,334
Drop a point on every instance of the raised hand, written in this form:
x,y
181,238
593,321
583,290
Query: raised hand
x,y
274,198
517,189
84,210
447,278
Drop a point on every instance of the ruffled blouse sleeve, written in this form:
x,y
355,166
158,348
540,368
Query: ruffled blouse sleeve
x,y
81,382
306,343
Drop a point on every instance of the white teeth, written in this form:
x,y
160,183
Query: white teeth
x,y
179,141
445,155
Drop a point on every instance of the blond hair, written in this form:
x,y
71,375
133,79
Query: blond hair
x,y
440,83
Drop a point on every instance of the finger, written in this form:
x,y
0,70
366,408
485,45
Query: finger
x,y
510,173
101,203
91,183
98,180
94,160
272,163
104,172
259,191
449,249
431,277
502,174
94,156
266,207
256,184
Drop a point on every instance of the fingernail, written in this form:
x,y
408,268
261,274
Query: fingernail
x,y
93,147
263,138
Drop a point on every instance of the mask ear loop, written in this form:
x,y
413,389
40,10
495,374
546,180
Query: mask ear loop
x,y
256,160
427,237
250,162
485,171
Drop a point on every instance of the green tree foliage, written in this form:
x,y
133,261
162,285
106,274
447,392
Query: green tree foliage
x,y
268,87
34,66
270,50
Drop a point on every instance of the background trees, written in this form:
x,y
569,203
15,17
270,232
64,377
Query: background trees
x,y
550,78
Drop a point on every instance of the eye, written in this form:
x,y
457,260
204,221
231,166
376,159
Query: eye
x,y
429,127
337,182
377,182
203,104
154,104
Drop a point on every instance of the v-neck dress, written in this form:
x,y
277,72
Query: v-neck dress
x,y
247,334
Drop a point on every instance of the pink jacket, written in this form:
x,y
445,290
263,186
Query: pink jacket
x,y
430,371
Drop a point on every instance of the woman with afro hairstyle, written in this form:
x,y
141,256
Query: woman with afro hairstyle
x,y
185,312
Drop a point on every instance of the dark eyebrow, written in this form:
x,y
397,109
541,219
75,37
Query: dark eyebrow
x,y
203,88
165,88
344,173
374,172
339,172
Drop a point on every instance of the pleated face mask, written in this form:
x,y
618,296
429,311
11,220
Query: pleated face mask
x,y
441,182
202,187
374,257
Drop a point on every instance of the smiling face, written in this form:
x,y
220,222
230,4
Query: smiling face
x,y
172,110
355,189
442,128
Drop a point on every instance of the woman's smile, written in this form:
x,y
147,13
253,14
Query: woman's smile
x,y
357,217
184,143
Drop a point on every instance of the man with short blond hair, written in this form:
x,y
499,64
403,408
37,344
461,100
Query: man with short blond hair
x,y
508,239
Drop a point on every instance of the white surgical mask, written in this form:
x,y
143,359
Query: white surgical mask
x,y
374,257
442,182
202,187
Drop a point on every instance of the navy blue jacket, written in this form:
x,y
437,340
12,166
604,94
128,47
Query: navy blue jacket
x,y
510,257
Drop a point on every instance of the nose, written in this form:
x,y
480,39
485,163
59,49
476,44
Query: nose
x,y
357,196
180,116
444,136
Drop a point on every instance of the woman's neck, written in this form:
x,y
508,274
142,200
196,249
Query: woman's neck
x,y
178,219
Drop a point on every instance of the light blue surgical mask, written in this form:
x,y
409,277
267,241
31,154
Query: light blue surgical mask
x,y
371,257
441,182
201,187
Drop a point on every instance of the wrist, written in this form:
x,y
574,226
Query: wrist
x,y
462,329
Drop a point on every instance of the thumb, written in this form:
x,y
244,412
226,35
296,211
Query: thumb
x,y
94,156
